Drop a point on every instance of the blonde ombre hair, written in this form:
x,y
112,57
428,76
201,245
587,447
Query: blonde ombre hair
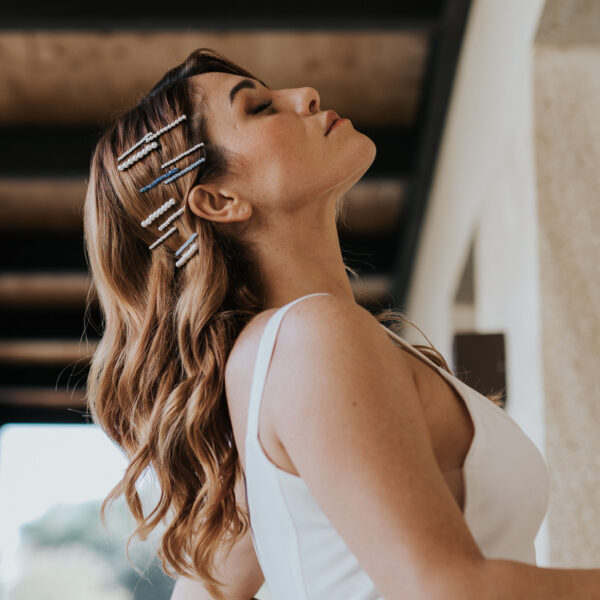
x,y
156,380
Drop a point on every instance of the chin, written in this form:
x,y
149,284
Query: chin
x,y
367,154
362,155
372,146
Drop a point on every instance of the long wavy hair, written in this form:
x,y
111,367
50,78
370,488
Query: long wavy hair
x,y
156,380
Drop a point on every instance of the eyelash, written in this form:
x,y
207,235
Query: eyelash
x,y
262,107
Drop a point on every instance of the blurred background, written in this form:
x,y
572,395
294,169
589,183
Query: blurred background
x,y
479,218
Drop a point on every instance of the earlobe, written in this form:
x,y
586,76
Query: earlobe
x,y
244,212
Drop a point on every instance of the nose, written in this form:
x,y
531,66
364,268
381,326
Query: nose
x,y
308,100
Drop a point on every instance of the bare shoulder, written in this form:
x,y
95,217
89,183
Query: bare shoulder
x,y
243,351
326,336
351,421
327,314
331,324
329,347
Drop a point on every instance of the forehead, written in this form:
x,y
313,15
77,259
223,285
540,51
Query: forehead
x,y
215,81
215,88
213,91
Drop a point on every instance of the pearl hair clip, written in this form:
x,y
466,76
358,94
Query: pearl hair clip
x,y
186,255
152,135
171,218
190,246
157,213
174,173
151,217
162,238
158,180
186,170
137,156
186,153
193,247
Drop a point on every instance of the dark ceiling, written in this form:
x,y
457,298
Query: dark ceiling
x,y
43,272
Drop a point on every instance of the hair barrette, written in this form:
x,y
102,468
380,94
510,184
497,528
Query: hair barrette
x,y
183,172
162,238
174,173
190,246
171,218
152,135
166,223
158,180
152,216
182,155
138,155
186,244
186,255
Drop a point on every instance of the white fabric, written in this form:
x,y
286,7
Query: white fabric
x,y
304,558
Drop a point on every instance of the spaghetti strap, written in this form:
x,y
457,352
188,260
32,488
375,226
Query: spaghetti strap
x,y
411,349
263,360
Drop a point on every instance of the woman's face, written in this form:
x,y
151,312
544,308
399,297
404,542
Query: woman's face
x,y
284,160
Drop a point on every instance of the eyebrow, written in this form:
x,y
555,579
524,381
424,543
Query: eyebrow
x,y
244,83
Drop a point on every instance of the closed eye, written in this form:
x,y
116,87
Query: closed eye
x,y
262,107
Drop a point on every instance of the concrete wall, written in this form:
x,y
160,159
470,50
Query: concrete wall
x,y
517,180
567,141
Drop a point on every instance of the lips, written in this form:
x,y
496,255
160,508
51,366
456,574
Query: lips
x,y
332,117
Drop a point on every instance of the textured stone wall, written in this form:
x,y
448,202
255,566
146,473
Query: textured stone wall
x,y
567,143
518,176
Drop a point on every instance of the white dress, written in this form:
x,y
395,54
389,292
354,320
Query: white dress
x,y
302,555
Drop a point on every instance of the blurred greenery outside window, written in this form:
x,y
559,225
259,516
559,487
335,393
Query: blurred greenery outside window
x,y
53,479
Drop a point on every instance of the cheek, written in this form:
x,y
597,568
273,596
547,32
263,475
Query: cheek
x,y
284,144
279,156
300,157
282,161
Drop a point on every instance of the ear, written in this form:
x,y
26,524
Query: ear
x,y
215,204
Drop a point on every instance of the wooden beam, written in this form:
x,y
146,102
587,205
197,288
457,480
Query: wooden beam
x,y
372,77
30,397
41,204
373,206
43,405
44,289
45,352
372,291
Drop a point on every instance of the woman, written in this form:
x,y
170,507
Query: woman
x,y
210,215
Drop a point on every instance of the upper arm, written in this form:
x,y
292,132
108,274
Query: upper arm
x,y
240,570
353,426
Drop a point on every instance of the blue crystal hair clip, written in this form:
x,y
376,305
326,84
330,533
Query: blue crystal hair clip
x,y
190,246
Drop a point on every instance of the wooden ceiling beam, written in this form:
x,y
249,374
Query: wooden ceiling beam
x,y
45,352
373,206
372,77
45,289
39,397
42,204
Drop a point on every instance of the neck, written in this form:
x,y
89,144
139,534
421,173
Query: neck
x,y
296,261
